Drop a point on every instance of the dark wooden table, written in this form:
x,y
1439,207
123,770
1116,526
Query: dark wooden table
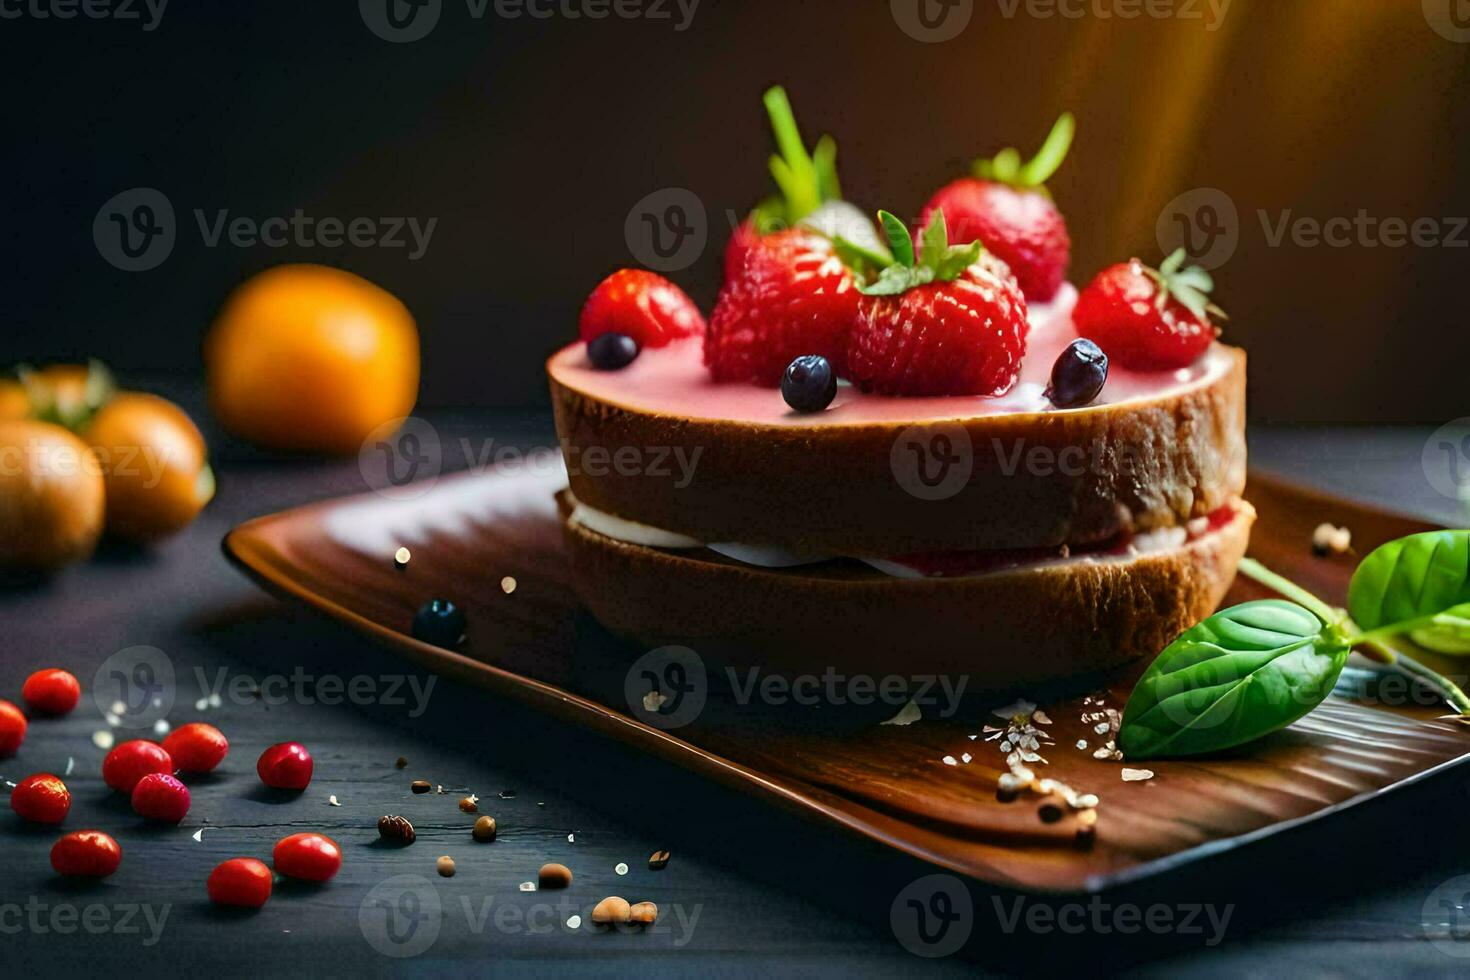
x,y
746,892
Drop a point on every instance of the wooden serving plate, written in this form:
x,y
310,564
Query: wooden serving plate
x,y
835,763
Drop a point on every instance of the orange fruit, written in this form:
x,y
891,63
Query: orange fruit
x,y
155,465
52,498
14,402
67,393
309,358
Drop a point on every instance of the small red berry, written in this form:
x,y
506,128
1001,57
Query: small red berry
x,y
12,728
792,298
52,691
311,857
1121,311
42,798
86,854
243,882
641,305
131,761
285,766
159,796
196,747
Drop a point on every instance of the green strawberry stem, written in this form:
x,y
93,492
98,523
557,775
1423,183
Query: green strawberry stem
x,y
935,261
806,180
1371,641
1191,286
1006,166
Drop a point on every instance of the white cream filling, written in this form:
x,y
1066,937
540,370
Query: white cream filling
x,y
771,556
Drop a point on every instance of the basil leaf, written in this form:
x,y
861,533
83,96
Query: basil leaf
x,y
1449,632
1413,578
1243,673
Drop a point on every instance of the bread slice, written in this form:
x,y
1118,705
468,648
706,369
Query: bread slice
x,y
1033,623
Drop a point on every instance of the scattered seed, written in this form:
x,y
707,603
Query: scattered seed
x,y
1040,717
966,757
161,726
507,585
396,828
401,558
1051,810
484,830
528,886
420,786
445,866
70,765
1328,539
907,715
199,836
644,913
1137,775
620,868
658,860
612,910
470,803
554,876
332,800
103,740
402,762
950,760
571,838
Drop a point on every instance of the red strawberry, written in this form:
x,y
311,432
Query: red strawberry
x,y
742,240
1146,319
950,321
805,180
642,305
793,296
1006,206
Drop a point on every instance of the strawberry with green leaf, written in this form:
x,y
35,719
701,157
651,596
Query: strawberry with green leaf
x,y
1006,205
941,319
809,193
1150,319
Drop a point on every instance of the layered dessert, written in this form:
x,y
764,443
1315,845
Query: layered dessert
x,y
904,445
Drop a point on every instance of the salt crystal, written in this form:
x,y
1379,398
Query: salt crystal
x,y
332,800
199,836
1102,753
950,760
1081,743
621,868
575,922
966,758
1041,718
571,838
528,886
103,740
161,726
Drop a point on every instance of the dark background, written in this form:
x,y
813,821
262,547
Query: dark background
x,y
530,141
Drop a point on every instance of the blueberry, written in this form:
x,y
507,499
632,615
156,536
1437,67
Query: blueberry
x,y
441,623
1078,376
612,351
809,384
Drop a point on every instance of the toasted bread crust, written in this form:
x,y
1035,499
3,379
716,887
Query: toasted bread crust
x,y
1073,477
1010,627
